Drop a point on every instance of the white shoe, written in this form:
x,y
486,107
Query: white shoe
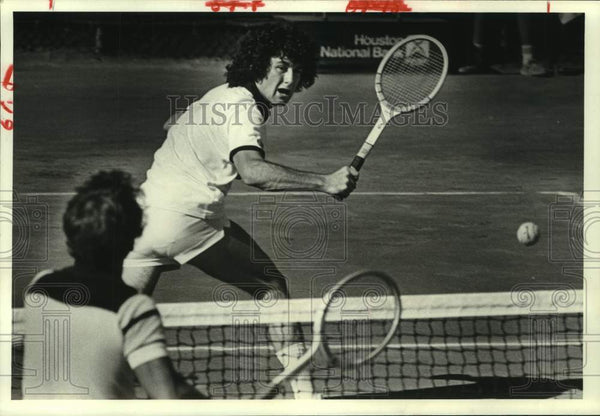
x,y
301,384
303,388
533,69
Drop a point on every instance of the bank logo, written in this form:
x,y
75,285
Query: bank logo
x,y
417,52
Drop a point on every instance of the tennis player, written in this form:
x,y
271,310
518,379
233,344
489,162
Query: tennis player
x,y
87,333
218,139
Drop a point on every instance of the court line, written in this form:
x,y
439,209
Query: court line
x,y
433,193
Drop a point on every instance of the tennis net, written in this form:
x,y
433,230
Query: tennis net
x,y
519,344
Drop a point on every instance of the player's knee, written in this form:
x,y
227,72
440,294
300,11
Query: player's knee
x,y
143,279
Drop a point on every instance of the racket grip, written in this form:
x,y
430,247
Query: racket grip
x,y
357,162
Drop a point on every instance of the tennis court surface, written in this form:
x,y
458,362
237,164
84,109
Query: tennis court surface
x,y
437,207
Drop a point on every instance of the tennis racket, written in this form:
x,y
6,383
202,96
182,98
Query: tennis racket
x,y
343,328
409,76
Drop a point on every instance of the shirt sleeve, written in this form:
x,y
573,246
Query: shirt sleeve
x,y
245,128
143,336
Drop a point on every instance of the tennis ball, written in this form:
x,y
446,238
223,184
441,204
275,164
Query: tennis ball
x,y
528,233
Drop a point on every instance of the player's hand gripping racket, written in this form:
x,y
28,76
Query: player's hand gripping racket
x,y
358,319
408,77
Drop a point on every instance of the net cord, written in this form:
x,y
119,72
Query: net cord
x,y
419,307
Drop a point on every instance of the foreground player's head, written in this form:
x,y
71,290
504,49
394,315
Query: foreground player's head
x,y
102,220
278,59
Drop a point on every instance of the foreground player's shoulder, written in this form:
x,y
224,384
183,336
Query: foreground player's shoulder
x,y
35,294
140,323
81,287
41,275
45,283
135,309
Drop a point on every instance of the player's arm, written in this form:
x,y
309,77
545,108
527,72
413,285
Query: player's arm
x,y
144,348
257,172
161,381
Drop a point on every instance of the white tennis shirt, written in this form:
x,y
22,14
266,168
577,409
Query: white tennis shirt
x,y
84,335
193,169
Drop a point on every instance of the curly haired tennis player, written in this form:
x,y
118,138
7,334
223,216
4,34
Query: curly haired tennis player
x,y
217,140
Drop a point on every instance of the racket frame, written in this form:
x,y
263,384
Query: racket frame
x,y
317,343
389,111
321,318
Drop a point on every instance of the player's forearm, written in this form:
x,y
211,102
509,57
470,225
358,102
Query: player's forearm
x,y
156,377
186,390
272,177
161,381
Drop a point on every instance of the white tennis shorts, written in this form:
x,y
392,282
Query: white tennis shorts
x,y
173,238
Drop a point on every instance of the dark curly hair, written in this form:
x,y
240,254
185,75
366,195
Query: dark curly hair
x,y
102,220
254,51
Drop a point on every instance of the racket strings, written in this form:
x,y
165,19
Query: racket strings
x,y
360,319
412,74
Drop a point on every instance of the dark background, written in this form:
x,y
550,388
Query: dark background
x,y
193,35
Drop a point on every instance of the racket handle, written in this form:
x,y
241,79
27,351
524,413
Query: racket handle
x,y
357,162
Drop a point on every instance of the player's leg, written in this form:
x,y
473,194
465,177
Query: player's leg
x,y
142,278
530,67
229,260
479,62
148,259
